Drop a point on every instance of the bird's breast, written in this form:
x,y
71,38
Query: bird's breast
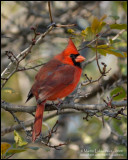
x,y
69,88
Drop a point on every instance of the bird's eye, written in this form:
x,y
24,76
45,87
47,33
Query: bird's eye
x,y
72,55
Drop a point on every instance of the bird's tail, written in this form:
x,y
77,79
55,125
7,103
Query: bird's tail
x,y
38,120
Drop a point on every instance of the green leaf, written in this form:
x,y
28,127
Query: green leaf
x,y
18,139
100,49
117,53
71,31
120,90
103,46
102,24
97,24
118,26
88,34
105,49
4,147
102,52
8,90
16,150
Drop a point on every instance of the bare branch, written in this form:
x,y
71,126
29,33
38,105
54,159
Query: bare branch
x,y
50,13
30,122
17,108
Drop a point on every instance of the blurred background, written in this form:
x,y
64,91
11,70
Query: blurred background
x,y
84,136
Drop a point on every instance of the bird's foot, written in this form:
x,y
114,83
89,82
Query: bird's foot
x,y
57,106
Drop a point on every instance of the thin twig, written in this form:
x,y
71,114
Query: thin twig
x,y
97,57
24,68
66,25
50,13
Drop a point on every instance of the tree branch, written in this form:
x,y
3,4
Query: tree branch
x,y
30,122
49,107
24,53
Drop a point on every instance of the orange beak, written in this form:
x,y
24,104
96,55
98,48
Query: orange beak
x,y
79,58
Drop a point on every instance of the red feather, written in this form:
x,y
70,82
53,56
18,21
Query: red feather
x,y
38,121
56,79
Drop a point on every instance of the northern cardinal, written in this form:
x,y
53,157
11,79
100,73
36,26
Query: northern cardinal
x,y
55,80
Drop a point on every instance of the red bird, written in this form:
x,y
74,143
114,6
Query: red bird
x,y
55,80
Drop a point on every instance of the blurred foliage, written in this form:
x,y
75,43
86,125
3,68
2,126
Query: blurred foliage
x,y
91,32
19,146
118,26
121,91
11,94
88,139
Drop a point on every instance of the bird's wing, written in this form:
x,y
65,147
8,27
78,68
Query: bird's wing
x,y
47,69
57,81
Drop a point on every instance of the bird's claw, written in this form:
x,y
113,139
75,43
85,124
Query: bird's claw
x,y
57,106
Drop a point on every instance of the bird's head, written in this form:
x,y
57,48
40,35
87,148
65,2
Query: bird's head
x,y
71,55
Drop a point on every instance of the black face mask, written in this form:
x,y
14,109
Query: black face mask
x,y
73,57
